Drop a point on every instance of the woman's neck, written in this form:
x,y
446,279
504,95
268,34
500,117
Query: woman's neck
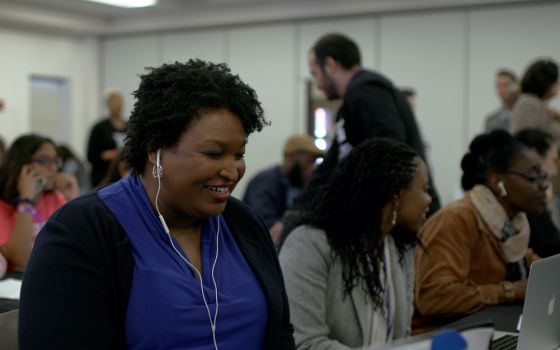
x,y
510,211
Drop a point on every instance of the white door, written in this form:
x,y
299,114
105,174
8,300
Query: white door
x,y
50,107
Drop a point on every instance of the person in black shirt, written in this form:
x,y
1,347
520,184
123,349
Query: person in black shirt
x,y
372,106
106,138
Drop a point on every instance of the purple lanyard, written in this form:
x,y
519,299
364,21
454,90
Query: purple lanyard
x,y
387,298
386,292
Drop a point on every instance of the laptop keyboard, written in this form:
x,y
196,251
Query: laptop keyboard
x,y
505,342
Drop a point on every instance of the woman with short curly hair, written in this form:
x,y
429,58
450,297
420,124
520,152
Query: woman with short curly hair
x,y
164,258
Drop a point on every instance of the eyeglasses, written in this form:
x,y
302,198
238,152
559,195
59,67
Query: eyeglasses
x,y
539,179
46,161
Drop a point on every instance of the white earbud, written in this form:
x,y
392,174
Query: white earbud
x,y
502,188
157,170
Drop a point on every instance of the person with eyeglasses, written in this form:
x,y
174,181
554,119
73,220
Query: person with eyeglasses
x,y
475,251
545,233
31,189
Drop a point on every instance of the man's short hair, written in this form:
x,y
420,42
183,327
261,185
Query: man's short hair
x,y
340,48
504,72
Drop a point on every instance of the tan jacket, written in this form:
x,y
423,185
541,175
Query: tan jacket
x,y
460,270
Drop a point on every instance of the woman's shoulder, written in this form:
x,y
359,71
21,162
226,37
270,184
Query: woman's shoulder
x,y
528,104
5,207
306,239
84,213
240,213
461,208
53,198
455,217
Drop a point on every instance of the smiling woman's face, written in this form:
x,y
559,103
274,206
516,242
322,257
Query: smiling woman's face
x,y
202,169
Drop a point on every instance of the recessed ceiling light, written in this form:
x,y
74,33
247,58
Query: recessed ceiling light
x,y
127,3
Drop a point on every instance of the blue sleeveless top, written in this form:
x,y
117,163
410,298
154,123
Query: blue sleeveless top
x,y
165,308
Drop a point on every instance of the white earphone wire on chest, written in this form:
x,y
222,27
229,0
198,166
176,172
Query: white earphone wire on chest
x,y
157,173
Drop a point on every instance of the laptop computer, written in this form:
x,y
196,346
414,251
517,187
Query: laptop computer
x,y
540,325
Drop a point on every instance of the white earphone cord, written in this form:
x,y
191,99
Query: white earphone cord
x,y
212,322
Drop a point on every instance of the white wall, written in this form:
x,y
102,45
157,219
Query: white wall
x,y
25,54
506,38
450,57
432,60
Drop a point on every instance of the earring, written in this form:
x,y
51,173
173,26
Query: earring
x,y
157,171
502,188
394,219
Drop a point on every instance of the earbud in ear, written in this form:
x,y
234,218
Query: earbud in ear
x,y
157,170
502,188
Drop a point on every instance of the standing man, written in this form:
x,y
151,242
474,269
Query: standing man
x,y
372,106
106,138
507,89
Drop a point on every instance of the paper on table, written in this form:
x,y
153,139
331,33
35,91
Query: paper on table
x,y
9,288
477,339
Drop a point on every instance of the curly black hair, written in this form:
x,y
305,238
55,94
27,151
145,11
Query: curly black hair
x,y
19,153
539,77
173,95
536,139
348,207
491,152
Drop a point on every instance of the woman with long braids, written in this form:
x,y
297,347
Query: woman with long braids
x,y
348,263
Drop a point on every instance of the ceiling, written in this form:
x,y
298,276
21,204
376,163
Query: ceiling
x,y
83,17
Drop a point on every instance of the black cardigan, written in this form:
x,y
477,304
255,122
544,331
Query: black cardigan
x,y
76,286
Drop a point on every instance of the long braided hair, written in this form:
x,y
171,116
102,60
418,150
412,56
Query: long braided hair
x,y
348,207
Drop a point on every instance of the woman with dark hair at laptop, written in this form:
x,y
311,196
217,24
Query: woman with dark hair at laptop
x,y
476,249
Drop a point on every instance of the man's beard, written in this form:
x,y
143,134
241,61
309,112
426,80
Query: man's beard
x,y
330,89
295,176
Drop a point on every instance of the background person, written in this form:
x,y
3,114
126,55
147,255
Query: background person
x,y
72,165
371,106
31,189
507,90
538,86
106,138
532,111
476,249
273,191
348,264
545,236
164,258
117,170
